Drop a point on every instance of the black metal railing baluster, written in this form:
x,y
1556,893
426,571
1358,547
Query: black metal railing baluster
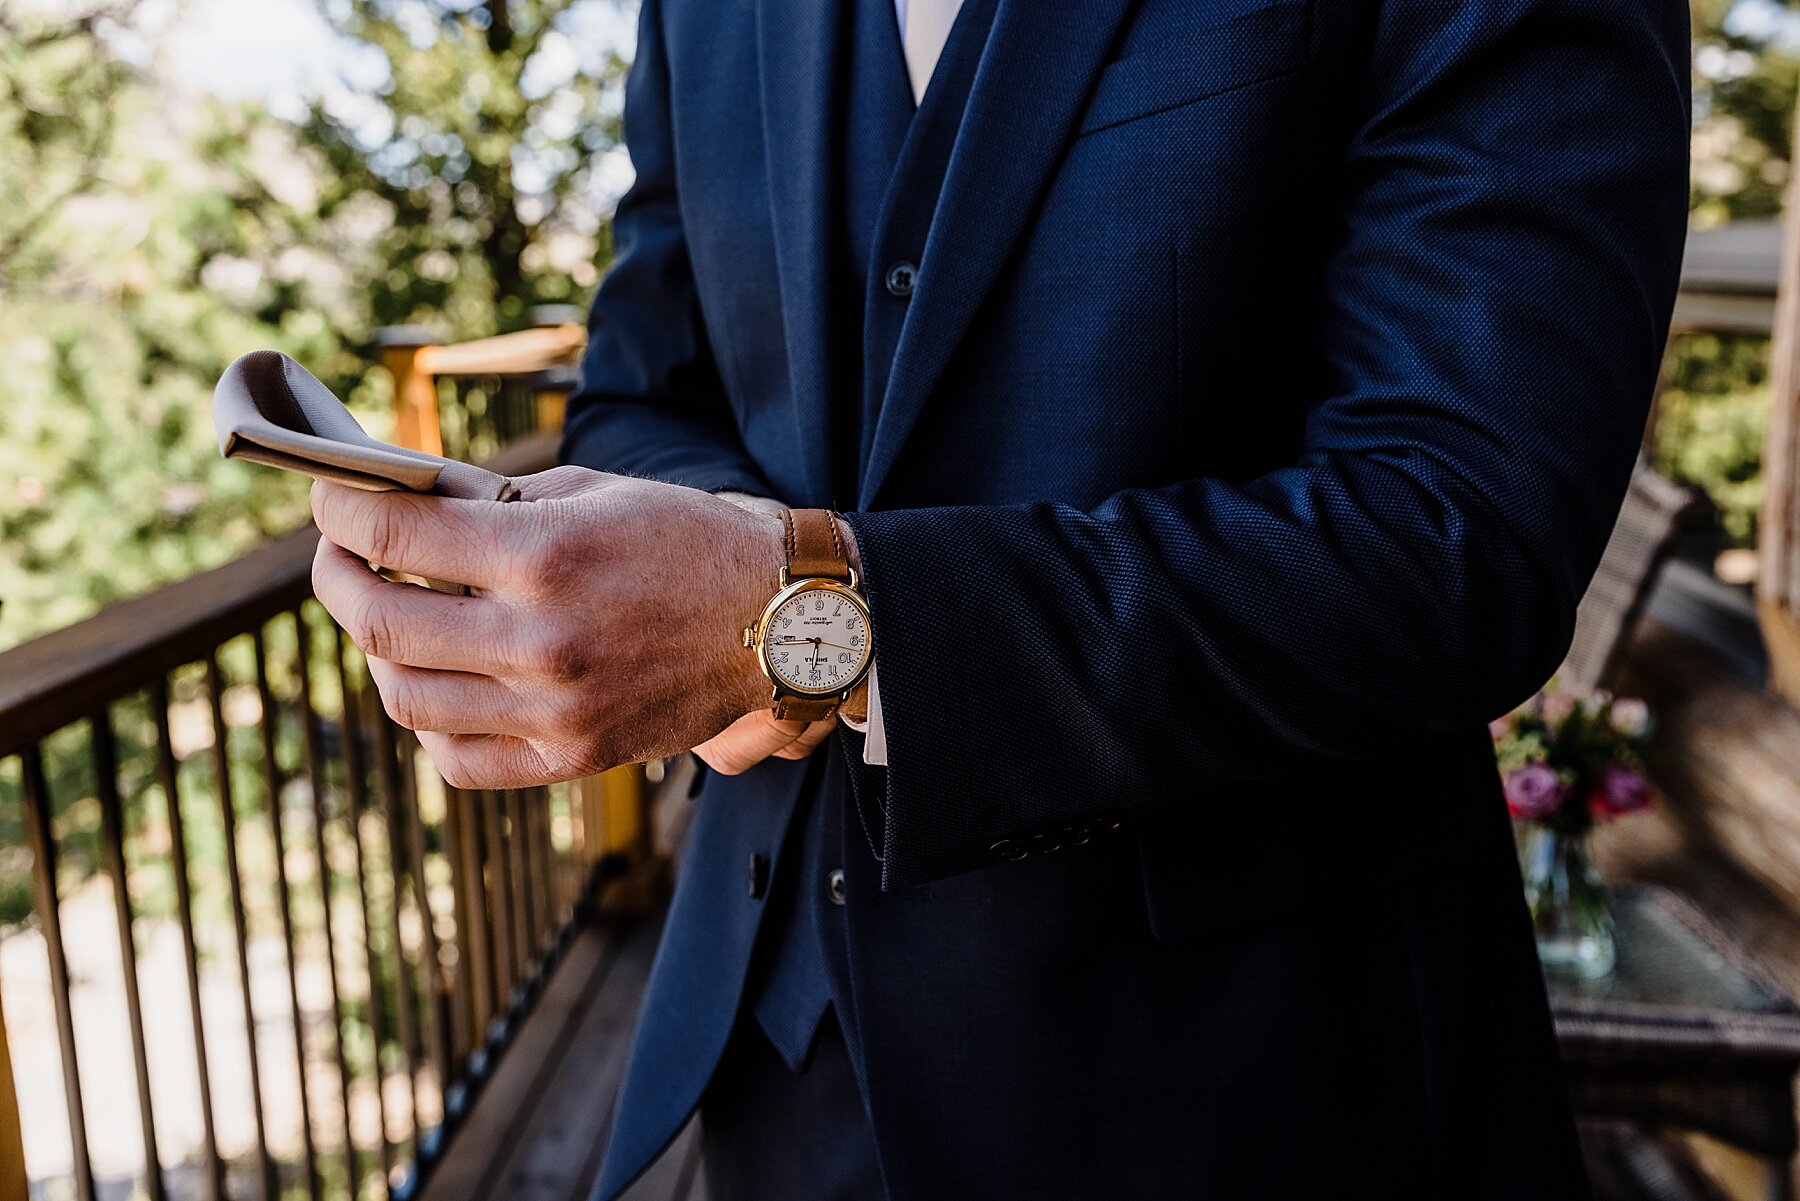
x,y
41,834
539,914
439,989
387,787
580,857
355,797
546,875
471,981
518,844
315,772
240,923
112,836
272,785
168,774
499,889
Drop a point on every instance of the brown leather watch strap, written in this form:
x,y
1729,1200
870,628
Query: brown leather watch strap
x,y
815,546
805,708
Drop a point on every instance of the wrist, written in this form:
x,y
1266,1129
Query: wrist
x,y
752,502
851,554
756,577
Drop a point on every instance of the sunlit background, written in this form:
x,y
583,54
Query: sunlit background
x,y
182,181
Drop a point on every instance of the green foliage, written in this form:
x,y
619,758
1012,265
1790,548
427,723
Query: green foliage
x,y
443,151
1744,91
146,240
1710,421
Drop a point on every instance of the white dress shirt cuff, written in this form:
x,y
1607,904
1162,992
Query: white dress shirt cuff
x,y
871,728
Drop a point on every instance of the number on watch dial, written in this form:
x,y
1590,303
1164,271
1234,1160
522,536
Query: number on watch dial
x,y
816,642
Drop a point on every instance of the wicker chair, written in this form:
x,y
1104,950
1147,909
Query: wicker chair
x,y
1610,609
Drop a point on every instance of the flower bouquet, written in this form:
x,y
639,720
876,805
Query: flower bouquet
x,y
1568,762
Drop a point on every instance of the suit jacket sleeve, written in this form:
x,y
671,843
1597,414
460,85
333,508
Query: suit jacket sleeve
x,y
1493,314
650,401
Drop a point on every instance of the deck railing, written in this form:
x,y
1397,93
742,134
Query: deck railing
x,y
315,948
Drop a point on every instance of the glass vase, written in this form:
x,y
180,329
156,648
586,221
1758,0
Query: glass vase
x,y
1570,913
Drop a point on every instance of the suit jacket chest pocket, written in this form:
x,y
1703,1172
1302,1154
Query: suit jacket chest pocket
x,y
1169,62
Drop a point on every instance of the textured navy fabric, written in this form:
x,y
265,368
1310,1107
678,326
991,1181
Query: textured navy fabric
x,y
1271,378
877,110
773,1133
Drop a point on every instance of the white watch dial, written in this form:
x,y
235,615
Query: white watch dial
x,y
816,641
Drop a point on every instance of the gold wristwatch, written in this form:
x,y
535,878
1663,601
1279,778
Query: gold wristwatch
x,y
813,639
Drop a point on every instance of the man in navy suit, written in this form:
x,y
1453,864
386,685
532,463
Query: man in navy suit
x,y
1086,474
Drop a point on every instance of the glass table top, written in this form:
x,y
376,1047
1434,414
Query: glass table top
x,y
1665,962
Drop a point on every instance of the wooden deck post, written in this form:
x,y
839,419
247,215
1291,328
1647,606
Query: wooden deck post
x,y
14,1184
415,389
1778,540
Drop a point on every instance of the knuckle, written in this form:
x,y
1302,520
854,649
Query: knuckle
x,y
402,702
388,533
454,766
548,550
544,561
562,657
372,628
608,751
573,716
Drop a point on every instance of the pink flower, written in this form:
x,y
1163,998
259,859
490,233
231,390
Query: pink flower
x,y
1621,790
1500,727
1534,791
1556,707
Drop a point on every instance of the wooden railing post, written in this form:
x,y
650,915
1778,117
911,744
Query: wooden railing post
x,y
415,388
14,1184
1778,535
569,318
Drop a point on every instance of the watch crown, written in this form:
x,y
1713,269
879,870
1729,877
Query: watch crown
x,y
749,636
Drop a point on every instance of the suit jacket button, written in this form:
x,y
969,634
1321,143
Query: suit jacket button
x,y
759,876
834,884
1008,850
900,279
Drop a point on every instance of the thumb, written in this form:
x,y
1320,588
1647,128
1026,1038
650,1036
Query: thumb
x,y
748,741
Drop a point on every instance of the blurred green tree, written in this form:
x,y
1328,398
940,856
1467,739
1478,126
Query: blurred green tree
x,y
148,236
109,336
1745,76
481,149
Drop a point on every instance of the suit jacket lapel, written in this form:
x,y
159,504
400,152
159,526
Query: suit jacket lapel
x,y
798,46
1034,81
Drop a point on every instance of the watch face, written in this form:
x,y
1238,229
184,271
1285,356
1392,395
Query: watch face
x,y
817,641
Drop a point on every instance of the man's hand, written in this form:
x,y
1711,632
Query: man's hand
x,y
604,626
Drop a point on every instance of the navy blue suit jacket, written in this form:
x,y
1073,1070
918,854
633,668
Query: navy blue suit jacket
x,y
1271,380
